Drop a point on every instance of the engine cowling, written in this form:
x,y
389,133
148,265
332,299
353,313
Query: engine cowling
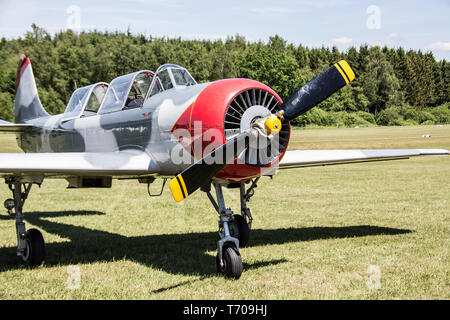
x,y
227,107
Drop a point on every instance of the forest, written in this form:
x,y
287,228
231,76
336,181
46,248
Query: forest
x,y
393,86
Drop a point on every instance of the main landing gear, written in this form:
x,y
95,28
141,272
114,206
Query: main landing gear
x,y
234,230
30,244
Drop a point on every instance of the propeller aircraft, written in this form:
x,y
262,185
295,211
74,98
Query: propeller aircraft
x,y
164,125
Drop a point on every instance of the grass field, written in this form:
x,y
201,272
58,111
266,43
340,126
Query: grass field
x,y
363,231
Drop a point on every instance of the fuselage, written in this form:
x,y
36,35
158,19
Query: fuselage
x,y
150,128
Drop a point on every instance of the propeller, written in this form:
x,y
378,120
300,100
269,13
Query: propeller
x,y
305,98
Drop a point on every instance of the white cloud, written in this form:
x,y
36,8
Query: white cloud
x,y
391,40
342,41
441,46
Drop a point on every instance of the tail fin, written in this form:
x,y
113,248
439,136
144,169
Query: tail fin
x,y
27,105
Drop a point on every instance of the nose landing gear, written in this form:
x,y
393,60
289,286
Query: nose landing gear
x,y
234,231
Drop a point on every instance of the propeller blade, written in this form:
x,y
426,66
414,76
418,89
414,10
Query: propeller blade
x,y
317,90
202,171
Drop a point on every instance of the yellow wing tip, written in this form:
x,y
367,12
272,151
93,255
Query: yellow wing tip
x,y
347,69
176,190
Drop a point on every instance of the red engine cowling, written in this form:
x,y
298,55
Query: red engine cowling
x,y
221,106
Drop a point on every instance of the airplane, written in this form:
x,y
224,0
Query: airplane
x,y
164,125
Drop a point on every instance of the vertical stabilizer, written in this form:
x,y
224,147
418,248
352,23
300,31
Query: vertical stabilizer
x,y
27,105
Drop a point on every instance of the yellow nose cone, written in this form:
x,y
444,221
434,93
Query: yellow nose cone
x,y
273,125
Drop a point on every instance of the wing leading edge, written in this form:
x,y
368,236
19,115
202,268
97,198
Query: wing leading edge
x,y
309,158
78,163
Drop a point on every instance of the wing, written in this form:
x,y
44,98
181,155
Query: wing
x,y
309,158
78,163
6,126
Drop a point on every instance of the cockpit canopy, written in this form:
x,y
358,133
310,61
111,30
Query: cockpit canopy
x,y
131,90
170,76
127,91
85,100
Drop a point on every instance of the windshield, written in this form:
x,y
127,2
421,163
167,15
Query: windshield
x,y
96,98
116,94
127,92
182,77
157,87
142,82
78,99
138,90
165,79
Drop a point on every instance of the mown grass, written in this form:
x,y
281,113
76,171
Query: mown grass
x,y
316,231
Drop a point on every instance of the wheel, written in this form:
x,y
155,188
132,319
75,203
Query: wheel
x,y
239,229
232,262
35,252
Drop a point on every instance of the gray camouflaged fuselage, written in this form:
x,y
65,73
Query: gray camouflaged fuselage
x,y
146,129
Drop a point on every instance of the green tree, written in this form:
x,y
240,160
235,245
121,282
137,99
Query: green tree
x,y
6,106
379,83
222,63
272,67
394,84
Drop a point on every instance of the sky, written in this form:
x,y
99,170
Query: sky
x,y
412,24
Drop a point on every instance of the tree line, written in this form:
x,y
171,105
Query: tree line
x,y
392,86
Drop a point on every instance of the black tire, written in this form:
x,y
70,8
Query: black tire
x,y
239,229
232,261
35,252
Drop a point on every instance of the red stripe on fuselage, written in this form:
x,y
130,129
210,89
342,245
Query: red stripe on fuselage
x,y
184,123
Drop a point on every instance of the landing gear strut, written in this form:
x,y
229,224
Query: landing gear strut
x,y
234,230
30,244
